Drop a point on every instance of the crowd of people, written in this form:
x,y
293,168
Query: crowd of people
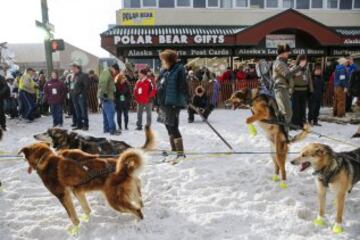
x,y
295,88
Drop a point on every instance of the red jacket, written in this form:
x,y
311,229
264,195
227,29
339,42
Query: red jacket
x,y
240,75
144,91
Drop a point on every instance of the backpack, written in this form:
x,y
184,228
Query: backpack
x,y
263,70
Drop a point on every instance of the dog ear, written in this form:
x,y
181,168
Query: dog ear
x,y
319,152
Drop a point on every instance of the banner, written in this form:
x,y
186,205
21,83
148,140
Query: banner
x,y
137,17
273,40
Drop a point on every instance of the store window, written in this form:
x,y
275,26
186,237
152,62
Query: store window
x,y
288,4
241,3
226,3
131,3
183,3
213,3
257,3
356,3
199,3
317,3
332,3
167,3
149,3
345,4
302,4
272,3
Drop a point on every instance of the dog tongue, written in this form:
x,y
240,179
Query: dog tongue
x,y
304,166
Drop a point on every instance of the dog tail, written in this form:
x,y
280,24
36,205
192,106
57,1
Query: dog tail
x,y
302,135
130,162
149,139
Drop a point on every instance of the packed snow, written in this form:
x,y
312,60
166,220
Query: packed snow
x,y
204,197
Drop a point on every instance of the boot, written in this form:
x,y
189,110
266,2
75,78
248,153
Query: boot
x,y
172,143
179,147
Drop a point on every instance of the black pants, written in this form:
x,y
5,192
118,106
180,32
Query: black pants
x,y
299,100
173,126
2,114
348,105
119,112
314,108
206,113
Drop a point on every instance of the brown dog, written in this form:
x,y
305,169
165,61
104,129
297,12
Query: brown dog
x,y
78,172
339,171
263,111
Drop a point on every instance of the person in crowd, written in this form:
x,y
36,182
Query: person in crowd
x,y
122,100
27,94
144,92
341,80
4,94
54,94
93,87
200,73
352,67
191,77
172,96
240,74
283,86
354,89
78,94
303,88
44,108
70,109
251,75
12,102
315,99
106,91
201,102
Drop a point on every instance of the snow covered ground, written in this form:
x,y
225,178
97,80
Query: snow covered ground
x,y
212,198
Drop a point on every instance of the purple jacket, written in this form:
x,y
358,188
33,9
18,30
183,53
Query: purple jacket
x,y
55,91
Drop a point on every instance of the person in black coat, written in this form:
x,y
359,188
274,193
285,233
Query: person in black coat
x,y
200,101
4,94
122,100
315,99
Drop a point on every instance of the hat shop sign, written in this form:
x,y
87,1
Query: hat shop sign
x,y
168,39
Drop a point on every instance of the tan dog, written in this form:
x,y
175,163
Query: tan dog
x,y
263,111
73,171
339,171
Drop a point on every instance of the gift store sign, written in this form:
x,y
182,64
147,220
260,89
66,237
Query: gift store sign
x,y
168,39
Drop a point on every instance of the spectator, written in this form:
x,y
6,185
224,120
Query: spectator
x,y
11,103
316,97
144,92
54,95
79,97
241,75
4,94
349,98
106,90
44,108
341,80
172,96
251,74
69,83
93,87
191,77
200,101
303,87
27,94
122,100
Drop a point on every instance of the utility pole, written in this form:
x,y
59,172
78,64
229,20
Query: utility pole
x,y
47,39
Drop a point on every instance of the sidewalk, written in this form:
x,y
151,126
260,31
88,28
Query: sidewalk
x,y
350,118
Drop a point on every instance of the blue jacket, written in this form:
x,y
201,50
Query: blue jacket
x,y
342,76
172,87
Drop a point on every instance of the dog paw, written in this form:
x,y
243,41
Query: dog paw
x,y
275,178
85,218
283,185
337,229
320,221
73,230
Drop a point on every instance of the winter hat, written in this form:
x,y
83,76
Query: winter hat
x,y
342,61
282,48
